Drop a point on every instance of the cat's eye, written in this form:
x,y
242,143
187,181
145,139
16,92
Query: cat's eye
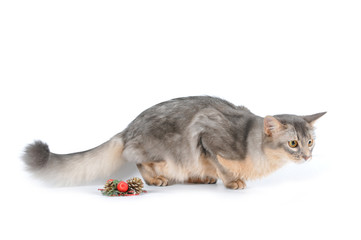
x,y
293,144
310,143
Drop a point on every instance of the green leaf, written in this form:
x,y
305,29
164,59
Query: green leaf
x,y
115,182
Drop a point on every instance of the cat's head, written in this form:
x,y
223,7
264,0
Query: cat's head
x,y
290,137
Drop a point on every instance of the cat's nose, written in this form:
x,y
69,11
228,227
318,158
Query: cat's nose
x,y
306,157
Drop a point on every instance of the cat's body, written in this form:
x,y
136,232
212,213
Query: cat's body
x,y
194,139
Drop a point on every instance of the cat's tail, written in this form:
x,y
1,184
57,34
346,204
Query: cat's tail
x,y
75,168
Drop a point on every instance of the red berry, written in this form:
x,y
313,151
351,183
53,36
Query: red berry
x,y
110,180
122,186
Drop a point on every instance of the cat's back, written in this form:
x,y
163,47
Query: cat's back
x,y
188,106
175,115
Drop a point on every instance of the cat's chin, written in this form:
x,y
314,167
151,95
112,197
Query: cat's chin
x,y
299,161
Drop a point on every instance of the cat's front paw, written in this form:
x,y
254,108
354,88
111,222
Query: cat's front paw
x,y
237,184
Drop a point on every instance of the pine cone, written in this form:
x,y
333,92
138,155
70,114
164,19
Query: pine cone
x,y
135,184
109,186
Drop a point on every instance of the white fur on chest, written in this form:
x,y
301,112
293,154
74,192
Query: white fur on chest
x,y
263,166
252,167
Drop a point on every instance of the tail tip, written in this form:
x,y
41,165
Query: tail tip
x,y
36,155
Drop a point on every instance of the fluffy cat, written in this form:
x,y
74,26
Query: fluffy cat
x,y
193,139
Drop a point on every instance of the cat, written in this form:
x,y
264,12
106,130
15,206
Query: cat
x,y
196,139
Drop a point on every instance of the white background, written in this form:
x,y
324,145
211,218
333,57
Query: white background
x,y
74,73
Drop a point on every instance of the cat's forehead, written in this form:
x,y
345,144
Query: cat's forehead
x,y
296,126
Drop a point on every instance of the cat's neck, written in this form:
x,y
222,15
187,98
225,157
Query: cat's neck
x,y
262,161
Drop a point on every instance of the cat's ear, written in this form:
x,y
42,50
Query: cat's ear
x,y
311,119
271,125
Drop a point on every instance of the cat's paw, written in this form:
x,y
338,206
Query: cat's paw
x,y
159,181
205,180
210,180
237,184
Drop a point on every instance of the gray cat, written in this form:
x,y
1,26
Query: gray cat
x,y
192,139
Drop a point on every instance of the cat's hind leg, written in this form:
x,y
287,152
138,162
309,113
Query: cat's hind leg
x,y
151,173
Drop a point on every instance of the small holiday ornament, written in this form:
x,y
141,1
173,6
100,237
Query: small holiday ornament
x,y
122,186
131,187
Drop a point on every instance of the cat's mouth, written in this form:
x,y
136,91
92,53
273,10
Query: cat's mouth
x,y
306,158
302,159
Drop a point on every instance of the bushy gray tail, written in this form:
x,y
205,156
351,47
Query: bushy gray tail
x,y
74,168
